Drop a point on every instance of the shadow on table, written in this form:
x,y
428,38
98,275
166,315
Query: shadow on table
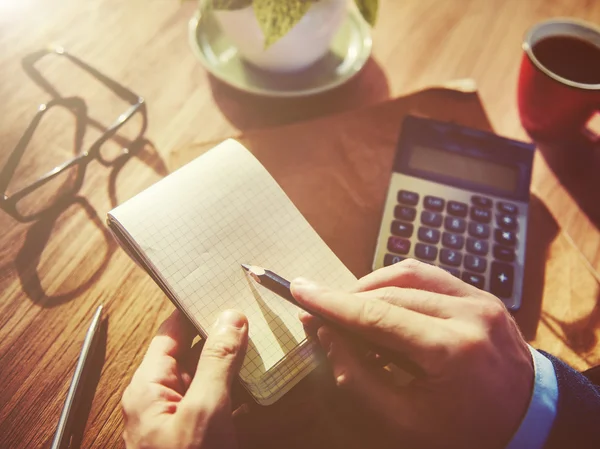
x,y
144,150
541,232
248,111
37,237
579,335
63,205
577,166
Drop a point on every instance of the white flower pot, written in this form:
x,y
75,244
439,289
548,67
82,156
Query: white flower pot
x,y
302,46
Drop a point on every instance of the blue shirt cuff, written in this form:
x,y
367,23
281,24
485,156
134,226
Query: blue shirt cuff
x,y
538,420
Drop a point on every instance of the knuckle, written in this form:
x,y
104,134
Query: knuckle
x,y
411,265
373,312
389,295
409,270
221,348
492,313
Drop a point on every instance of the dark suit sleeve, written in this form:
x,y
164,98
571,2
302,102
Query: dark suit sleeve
x,y
577,422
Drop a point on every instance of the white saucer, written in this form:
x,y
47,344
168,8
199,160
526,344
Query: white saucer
x,y
349,51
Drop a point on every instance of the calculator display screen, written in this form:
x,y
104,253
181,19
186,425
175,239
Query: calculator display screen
x,y
464,168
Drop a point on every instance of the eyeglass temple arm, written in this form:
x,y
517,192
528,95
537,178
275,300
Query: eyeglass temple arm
x,y
119,89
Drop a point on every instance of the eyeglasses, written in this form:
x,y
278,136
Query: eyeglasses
x,y
72,171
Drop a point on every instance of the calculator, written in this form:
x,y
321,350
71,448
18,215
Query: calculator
x,y
458,198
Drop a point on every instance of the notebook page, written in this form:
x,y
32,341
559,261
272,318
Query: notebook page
x,y
196,227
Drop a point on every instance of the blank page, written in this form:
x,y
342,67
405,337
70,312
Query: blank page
x,y
195,227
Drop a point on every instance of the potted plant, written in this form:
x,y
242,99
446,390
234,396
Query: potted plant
x,y
283,35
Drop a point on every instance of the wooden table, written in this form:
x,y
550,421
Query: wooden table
x,y
55,271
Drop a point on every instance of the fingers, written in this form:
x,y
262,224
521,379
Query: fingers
x,y
372,387
394,327
310,322
174,336
156,382
413,274
422,301
189,363
219,363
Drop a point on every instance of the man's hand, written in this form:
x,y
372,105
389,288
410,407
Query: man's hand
x,y
172,406
478,369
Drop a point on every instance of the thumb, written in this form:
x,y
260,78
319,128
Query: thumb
x,y
220,361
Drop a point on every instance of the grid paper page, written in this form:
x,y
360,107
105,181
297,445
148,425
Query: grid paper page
x,y
196,227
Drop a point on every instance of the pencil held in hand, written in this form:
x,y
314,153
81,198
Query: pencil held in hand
x,y
281,287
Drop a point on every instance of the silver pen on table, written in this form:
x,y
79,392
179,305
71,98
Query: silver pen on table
x,y
63,435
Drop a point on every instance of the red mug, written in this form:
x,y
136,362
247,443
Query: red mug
x,y
559,81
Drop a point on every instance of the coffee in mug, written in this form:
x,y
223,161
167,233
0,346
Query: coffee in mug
x,y
559,81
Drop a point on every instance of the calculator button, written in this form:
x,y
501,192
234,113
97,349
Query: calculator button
x,y
434,203
505,237
481,215
482,201
453,241
474,263
405,213
475,246
457,209
474,279
450,257
425,252
506,221
508,208
390,259
429,235
452,271
406,197
502,279
398,245
433,219
504,253
402,229
454,224
479,230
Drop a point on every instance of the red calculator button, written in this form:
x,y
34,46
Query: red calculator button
x,y
398,245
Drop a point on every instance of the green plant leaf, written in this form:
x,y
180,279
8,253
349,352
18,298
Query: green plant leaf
x,y
224,4
368,9
230,4
277,17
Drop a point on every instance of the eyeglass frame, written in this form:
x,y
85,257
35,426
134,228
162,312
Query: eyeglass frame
x,y
78,107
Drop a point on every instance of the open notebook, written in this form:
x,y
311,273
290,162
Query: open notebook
x,y
193,229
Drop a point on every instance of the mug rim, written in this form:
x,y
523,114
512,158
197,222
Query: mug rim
x,y
527,48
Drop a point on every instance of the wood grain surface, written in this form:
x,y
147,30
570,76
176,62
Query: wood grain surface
x,y
54,271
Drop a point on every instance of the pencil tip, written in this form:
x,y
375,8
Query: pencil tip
x,y
246,267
